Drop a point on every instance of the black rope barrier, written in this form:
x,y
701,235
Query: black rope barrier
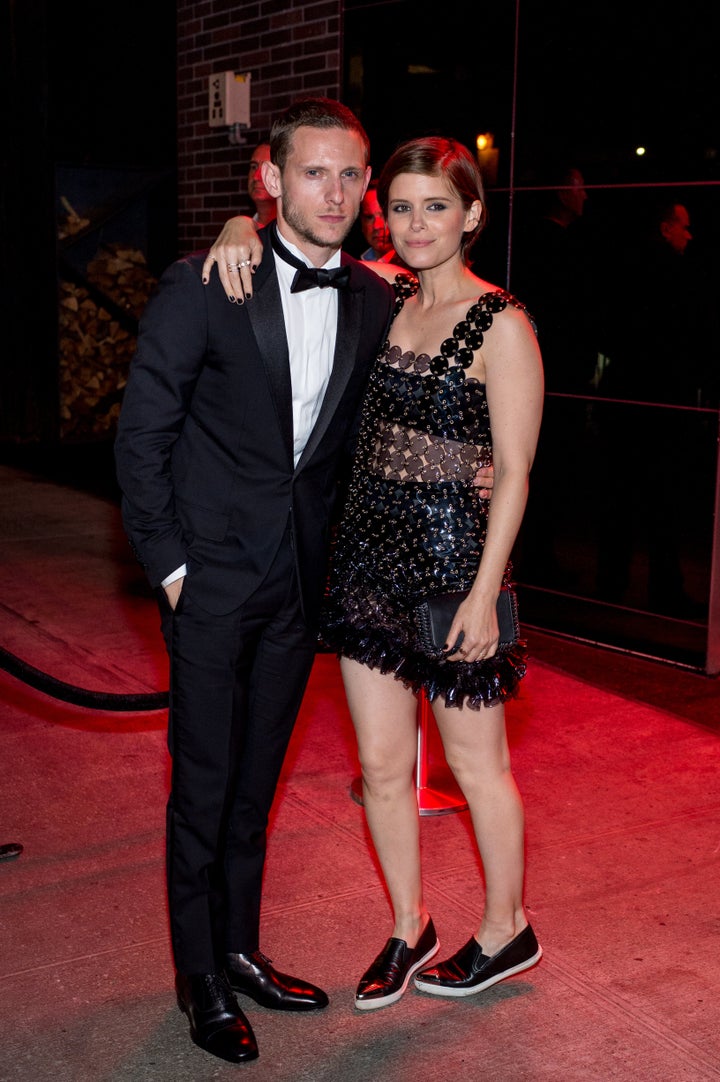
x,y
69,693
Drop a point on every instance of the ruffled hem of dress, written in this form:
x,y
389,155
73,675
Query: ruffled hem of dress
x,y
474,684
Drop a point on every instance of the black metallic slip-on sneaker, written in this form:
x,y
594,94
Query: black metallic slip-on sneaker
x,y
389,975
470,971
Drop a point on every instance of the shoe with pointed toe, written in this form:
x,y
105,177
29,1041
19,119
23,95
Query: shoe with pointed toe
x,y
470,971
389,975
254,975
11,851
217,1025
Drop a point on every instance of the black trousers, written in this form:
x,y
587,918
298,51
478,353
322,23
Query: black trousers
x,y
236,685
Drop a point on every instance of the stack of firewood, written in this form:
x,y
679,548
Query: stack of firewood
x,y
97,339
73,222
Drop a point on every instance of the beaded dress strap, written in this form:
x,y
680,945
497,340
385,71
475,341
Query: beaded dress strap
x,y
457,351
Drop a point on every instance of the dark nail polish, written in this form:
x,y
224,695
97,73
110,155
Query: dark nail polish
x,y
205,280
232,300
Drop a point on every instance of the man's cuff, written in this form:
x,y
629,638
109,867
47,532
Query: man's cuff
x,y
180,573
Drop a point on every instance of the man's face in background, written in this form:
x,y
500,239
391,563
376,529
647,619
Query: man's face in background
x,y
373,225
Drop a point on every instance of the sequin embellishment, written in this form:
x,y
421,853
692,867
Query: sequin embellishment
x,y
413,522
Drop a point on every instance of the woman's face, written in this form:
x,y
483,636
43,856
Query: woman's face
x,y
427,220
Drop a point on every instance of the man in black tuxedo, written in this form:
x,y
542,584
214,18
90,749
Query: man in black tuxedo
x,y
234,423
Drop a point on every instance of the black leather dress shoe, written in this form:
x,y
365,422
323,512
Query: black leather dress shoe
x,y
470,971
389,975
11,851
217,1025
254,976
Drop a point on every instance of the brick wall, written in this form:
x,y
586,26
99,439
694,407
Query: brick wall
x,y
291,48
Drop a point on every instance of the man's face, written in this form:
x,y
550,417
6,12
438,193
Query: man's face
x,y
320,188
573,197
676,231
256,188
373,225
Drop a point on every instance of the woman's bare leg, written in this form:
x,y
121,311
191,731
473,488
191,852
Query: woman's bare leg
x,y
384,714
476,750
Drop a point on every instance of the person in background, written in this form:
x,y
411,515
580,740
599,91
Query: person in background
x,y
265,205
662,364
374,227
656,354
551,271
675,227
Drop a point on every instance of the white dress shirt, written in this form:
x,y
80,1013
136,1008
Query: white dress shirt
x,y
311,328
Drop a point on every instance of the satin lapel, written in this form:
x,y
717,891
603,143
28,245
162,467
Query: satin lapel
x,y
350,310
266,318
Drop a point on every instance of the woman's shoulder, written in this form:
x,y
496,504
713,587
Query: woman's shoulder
x,y
392,273
491,300
379,275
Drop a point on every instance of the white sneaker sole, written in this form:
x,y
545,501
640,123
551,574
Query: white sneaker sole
x,y
385,1001
443,990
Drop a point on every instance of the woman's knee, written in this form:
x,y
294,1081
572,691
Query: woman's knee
x,y
480,776
383,770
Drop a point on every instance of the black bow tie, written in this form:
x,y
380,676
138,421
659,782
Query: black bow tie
x,y
308,277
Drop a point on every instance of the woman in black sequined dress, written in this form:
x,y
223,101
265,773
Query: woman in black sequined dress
x,y
457,386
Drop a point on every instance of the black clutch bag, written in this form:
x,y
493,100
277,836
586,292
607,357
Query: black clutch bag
x,y
434,615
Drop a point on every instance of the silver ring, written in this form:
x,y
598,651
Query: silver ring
x,y
232,266
245,263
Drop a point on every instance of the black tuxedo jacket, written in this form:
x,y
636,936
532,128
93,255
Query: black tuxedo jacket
x,y
204,447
